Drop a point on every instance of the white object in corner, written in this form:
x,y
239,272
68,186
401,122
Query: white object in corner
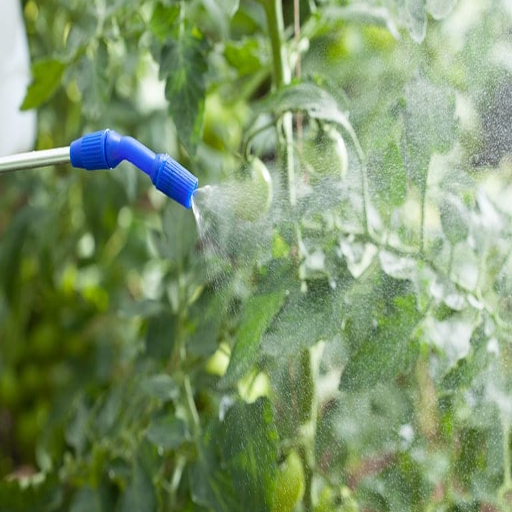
x,y
17,129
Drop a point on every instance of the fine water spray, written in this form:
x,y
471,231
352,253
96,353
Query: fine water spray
x,y
105,150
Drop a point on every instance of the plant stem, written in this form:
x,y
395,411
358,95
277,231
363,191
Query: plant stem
x,y
247,143
450,263
364,175
282,76
308,428
298,67
305,455
182,19
176,479
288,150
191,408
190,405
506,486
296,30
507,477
274,14
422,219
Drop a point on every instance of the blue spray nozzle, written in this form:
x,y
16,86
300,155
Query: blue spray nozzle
x,y
106,149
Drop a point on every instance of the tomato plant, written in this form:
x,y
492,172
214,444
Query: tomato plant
x,y
338,335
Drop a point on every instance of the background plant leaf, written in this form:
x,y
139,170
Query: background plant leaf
x,y
258,313
46,79
429,126
388,351
250,452
183,65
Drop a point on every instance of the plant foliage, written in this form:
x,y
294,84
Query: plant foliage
x,y
361,322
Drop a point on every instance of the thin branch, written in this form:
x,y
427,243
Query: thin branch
x,y
298,66
275,22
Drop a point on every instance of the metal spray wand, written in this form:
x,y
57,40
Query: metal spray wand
x,y
105,150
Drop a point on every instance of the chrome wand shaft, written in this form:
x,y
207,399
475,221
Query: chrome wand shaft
x,y
34,159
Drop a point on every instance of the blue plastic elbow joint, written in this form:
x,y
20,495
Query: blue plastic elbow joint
x,y
106,149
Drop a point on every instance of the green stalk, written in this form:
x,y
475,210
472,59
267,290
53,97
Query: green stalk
x,y
506,487
364,176
282,76
274,14
306,456
450,263
191,409
507,477
422,219
308,428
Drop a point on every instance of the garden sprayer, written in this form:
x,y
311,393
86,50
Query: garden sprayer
x,y
105,150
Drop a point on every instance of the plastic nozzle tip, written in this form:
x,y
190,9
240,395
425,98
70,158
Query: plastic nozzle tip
x,y
174,181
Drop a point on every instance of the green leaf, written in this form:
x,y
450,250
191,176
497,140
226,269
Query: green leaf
x,y
183,65
439,9
140,493
364,14
144,308
404,484
206,315
398,267
82,31
414,18
93,82
304,320
258,313
246,56
305,97
454,219
429,126
387,352
77,428
474,366
331,450
11,256
180,231
109,411
210,485
452,336
471,465
249,451
160,386
388,179
360,425
229,7
86,500
292,391
393,176
40,492
220,13
160,335
46,78
163,21
168,432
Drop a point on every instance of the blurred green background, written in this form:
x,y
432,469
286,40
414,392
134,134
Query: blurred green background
x,y
100,275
